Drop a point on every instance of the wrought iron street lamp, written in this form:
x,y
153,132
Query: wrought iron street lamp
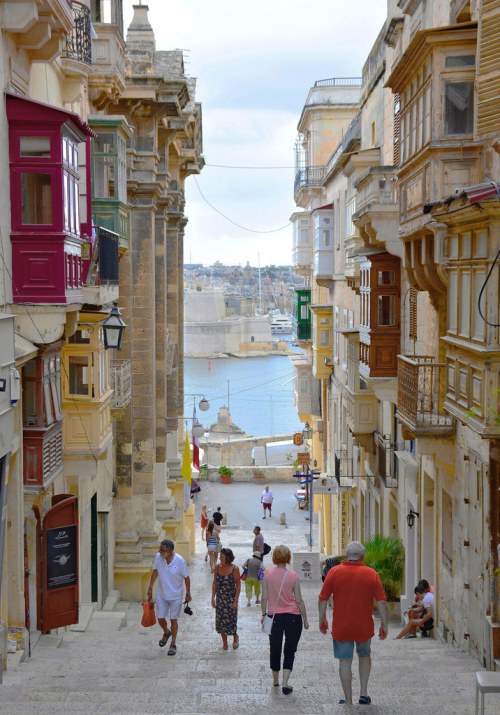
x,y
113,328
410,518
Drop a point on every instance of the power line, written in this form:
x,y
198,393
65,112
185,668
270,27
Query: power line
x,y
252,230
226,166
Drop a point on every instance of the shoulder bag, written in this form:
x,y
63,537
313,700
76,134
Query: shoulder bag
x,y
267,620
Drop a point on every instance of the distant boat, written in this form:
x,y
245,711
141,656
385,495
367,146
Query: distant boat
x,y
281,324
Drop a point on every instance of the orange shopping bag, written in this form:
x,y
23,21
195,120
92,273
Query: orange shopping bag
x,y
149,616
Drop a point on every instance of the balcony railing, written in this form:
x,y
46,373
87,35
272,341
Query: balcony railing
x,y
121,382
420,387
78,45
310,176
338,82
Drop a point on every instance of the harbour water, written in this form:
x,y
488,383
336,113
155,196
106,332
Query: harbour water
x,y
260,392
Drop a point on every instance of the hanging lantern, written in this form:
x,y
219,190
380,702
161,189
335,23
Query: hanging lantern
x,y
198,430
204,404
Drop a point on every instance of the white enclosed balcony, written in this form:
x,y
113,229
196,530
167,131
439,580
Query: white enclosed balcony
x,y
302,242
323,245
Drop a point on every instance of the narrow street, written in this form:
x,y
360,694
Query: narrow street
x,y
116,666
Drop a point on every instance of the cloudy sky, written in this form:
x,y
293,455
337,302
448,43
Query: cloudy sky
x,y
255,63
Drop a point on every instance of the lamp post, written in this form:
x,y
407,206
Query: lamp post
x,y
307,434
112,329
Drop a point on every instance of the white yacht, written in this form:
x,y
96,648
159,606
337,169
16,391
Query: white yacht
x,y
281,324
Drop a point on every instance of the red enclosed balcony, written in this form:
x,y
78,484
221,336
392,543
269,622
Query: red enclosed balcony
x,y
45,164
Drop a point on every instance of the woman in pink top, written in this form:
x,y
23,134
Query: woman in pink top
x,y
282,599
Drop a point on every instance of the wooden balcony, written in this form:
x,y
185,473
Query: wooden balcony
x,y
420,392
42,456
101,269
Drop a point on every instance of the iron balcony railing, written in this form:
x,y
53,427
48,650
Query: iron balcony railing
x,y
339,82
121,382
420,384
78,44
310,176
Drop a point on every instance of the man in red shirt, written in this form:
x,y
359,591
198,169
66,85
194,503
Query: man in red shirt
x,y
354,587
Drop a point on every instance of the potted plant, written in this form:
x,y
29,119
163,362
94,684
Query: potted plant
x,y
387,556
225,474
258,474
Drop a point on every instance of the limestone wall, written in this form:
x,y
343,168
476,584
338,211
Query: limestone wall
x,y
225,336
245,474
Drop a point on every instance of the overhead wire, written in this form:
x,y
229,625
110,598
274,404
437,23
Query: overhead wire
x,y
235,223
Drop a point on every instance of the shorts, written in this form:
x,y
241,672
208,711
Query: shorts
x,y
168,609
344,650
266,505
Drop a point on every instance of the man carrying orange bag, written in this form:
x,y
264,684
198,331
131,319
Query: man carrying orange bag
x,y
148,617
171,571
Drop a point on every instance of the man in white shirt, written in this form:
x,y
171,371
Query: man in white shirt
x,y
171,571
266,500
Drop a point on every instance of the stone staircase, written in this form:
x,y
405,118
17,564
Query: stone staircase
x,y
116,666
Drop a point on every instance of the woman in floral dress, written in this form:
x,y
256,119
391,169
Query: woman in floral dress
x,y
225,594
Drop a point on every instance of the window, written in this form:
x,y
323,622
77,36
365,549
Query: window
x,y
386,310
304,312
324,338
34,147
36,198
447,529
386,278
460,61
459,107
42,391
78,375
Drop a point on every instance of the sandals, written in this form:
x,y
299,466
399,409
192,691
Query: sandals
x,y
164,639
364,699
286,689
172,650
236,644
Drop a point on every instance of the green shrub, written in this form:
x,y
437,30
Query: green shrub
x,y
225,471
386,555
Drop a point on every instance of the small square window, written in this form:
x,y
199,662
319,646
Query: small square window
x,y
460,61
34,147
386,278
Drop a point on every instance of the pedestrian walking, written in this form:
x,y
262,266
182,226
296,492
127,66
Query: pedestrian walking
x,y
171,571
211,539
354,586
254,568
225,595
282,599
266,500
218,516
258,542
203,521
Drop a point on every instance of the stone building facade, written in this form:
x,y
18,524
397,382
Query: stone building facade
x,y
100,133
409,408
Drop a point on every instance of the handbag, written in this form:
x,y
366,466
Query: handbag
x,y
267,549
149,616
260,575
267,620
244,574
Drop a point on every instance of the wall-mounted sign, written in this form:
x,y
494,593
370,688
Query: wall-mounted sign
x,y
303,458
61,557
306,565
298,439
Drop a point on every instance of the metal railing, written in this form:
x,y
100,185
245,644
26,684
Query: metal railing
x,y
420,383
339,82
121,382
78,44
310,176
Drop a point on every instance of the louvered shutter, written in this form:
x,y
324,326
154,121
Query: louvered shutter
x,y
412,317
488,75
397,129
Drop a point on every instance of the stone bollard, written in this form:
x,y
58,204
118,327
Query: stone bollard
x,y
224,518
283,518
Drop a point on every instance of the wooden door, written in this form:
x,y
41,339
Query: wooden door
x,y
60,563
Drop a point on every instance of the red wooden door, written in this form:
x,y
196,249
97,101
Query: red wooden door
x,y
60,563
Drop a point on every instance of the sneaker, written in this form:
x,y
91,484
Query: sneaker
x,y
249,604
257,601
409,635
263,517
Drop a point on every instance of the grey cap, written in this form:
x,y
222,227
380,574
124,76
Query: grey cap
x,y
355,551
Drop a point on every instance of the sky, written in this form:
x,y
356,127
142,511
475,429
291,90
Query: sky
x,y
255,63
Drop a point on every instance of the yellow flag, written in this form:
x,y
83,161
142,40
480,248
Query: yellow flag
x,y
186,462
